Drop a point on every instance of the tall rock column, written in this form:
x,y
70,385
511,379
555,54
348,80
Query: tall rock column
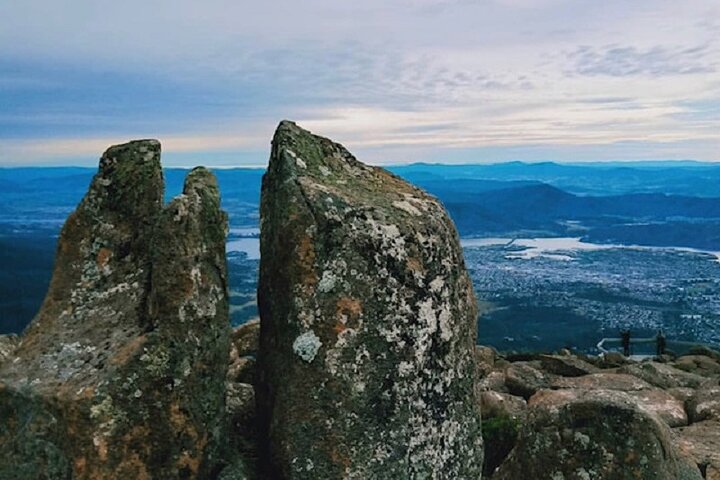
x,y
368,323
121,374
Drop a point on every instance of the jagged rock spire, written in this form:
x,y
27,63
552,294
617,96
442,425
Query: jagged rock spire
x,y
121,374
368,322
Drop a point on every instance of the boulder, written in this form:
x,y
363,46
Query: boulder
x,y
496,404
654,401
706,351
368,323
665,406
243,370
701,441
704,404
662,375
122,372
612,360
603,381
699,364
681,393
587,435
494,381
567,365
523,380
485,359
246,338
8,344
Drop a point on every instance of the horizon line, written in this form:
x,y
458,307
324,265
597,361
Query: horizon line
x,y
258,166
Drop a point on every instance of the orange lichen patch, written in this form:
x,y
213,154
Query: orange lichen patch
x,y
101,447
103,257
138,436
306,255
72,393
79,466
190,461
130,464
339,328
414,265
348,308
127,351
177,417
180,422
133,467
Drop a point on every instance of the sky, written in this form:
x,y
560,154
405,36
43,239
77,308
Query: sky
x,y
395,81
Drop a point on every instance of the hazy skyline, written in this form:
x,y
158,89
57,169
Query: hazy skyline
x,y
456,81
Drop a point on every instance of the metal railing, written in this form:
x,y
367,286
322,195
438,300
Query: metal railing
x,y
662,344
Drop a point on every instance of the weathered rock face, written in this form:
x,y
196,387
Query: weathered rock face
x,y
8,343
522,379
663,376
240,401
496,404
705,404
593,435
566,365
122,372
658,390
701,441
367,322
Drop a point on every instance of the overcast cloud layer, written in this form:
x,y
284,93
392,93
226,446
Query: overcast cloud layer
x,y
394,80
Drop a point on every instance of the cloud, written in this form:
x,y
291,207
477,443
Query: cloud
x,y
658,61
410,79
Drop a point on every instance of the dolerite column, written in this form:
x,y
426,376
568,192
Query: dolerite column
x,y
368,323
121,374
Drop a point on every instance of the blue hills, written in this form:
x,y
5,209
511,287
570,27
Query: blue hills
x,y
663,204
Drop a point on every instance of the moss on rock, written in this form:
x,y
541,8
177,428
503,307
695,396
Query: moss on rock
x,y
122,372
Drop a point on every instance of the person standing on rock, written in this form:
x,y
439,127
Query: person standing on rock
x,y
661,343
625,336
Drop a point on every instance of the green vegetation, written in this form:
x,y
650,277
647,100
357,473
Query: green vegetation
x,y
500,434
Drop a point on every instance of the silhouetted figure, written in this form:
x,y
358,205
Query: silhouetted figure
x,y
661,343
625,336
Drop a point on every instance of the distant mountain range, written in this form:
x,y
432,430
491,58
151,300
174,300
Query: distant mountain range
x,y
659,204
696,179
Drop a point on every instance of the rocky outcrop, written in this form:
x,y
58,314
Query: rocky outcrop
x,y
367,322
663,376
594,436
701,442
496,404
652,401
8,344
122,372
655,395
524,379
704,404
240,402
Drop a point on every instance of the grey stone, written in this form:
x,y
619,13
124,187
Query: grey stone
x,y
368,323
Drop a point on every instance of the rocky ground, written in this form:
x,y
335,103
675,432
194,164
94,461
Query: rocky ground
x,y
579,417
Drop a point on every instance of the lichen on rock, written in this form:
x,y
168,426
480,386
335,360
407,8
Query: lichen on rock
x,y
366,365
122,372
594,435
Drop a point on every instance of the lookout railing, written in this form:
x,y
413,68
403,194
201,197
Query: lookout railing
x,y
626,342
